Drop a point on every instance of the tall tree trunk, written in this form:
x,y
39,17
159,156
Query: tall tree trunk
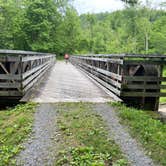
x,y
146,43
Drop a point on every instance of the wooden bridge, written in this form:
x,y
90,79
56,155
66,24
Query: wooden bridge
x,y
135,79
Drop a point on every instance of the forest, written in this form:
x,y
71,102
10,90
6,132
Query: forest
x,y
55,26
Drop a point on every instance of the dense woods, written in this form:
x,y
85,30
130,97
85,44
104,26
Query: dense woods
x,y
55,26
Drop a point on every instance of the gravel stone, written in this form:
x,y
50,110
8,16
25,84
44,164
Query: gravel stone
x,y
134,152
41,148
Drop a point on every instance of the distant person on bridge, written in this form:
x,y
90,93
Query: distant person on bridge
x,y
66,57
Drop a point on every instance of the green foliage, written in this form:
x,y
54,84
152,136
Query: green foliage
x,y
149,131
39,25
137,29
54,26
159,35
16,124
85,138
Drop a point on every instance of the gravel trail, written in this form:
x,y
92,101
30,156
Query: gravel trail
x,y
134,153
40,149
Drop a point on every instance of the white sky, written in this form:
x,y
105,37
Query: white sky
x,y
96,6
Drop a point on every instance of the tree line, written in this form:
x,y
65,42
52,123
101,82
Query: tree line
x,y
55,26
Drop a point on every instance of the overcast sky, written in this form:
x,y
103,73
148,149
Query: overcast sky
x,y
96,6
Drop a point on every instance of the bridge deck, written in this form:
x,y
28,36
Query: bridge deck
x,y
67,84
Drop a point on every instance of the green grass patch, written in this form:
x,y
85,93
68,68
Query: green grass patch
x,y
16,124
85,139
146,129
163,99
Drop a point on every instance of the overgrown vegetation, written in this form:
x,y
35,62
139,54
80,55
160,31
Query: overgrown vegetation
x,y
15,125
85,139
147,130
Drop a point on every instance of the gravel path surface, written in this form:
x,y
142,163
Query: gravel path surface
x,y
40,149
129,146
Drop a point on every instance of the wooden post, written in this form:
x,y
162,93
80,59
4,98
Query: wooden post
x,y
21,74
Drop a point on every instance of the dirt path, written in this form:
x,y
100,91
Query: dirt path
x,y
40,149
129,146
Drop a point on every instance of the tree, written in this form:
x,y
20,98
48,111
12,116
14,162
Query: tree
x,y
144,27
131,2
71,28
11,17
158,38
40,18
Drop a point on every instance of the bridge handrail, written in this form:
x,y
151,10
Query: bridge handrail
x,y
119,73
20,52
122,55
20,70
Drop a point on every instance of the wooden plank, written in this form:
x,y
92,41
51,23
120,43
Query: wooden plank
x,y
144,56
143,62
108,73
11,58
141,86
31,84
107,79
108,86
26,74
20,52
117,61
25,58
143,94
10,93
144,78
14,67
29,79
10,77
9,85
92,77
32,58
123,55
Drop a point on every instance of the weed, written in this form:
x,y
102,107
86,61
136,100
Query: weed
x,y
16,124
86,135
149,131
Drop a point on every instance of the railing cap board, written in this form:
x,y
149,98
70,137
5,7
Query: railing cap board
x,y
124,55
19,52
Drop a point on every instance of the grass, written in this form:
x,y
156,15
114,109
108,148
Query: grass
x,y
163,99
15,125
85,139
147,130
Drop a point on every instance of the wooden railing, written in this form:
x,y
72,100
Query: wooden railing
x,y
133,78
20,70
